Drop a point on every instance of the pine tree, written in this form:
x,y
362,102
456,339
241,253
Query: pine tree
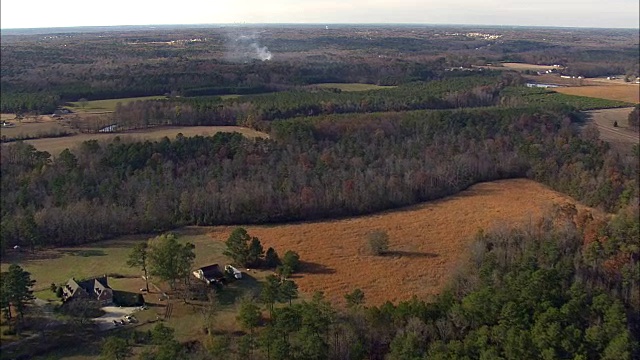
x,y
16,290
238,246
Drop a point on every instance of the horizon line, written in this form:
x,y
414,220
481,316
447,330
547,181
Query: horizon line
x,y
321,24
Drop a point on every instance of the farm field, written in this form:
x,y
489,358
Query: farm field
x,y
107,105
620,137
352,86
525,66
56,145
427,242
31,128
628,93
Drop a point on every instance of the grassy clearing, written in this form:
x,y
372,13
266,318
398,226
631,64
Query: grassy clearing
x,y
525,66
56,145
426,241
32,128
352,86
232,96
626,93
621,137
107,105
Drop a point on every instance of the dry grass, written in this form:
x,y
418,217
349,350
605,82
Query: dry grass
x,y
427,242
352,86
57,145
622,137
108,105
628,93
525,66
33,128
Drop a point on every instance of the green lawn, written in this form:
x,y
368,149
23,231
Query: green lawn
x,y
352,86
108,104
106,257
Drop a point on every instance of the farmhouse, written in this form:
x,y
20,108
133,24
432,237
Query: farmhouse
x,y
209,274
95,288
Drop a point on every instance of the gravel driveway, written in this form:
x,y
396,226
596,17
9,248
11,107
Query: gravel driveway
x,y
105,322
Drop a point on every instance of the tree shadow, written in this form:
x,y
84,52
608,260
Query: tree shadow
x,y
410,254
315,268
24,255
231,292
84,252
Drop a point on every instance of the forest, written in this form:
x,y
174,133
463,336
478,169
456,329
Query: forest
x,y
103,65
564,287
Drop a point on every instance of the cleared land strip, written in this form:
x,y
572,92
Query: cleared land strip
x,y
57,145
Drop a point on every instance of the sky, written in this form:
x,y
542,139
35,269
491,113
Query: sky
x,y
571,13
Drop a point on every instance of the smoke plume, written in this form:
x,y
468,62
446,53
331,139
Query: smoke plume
x,y
246,47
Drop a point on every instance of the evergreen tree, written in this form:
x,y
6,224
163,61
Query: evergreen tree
x,y
256,252
16,290
169,260
238,246
271,259
115,348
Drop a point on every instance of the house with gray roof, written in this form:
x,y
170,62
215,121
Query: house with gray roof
x,y
95,289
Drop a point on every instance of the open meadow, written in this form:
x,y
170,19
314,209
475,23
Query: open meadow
x,y
620,137
427,244
56,145
629,93
42,126
107,105
525,66
352,86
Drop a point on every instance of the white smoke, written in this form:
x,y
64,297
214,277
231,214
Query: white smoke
x,y
246,47
262,53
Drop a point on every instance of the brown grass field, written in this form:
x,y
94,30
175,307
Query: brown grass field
x,y
57,145
427,241
621,137
629,93
525,66
31,127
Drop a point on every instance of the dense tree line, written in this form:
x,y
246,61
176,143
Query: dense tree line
x,y
39,103
256,111
251,110
312,168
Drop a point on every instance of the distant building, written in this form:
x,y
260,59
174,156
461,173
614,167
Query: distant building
x,y
109,129
531,85
95,288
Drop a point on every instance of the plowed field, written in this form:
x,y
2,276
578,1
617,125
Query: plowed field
x,y
629,93
427,241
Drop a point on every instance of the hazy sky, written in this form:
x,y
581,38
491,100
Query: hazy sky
x,y
63,13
